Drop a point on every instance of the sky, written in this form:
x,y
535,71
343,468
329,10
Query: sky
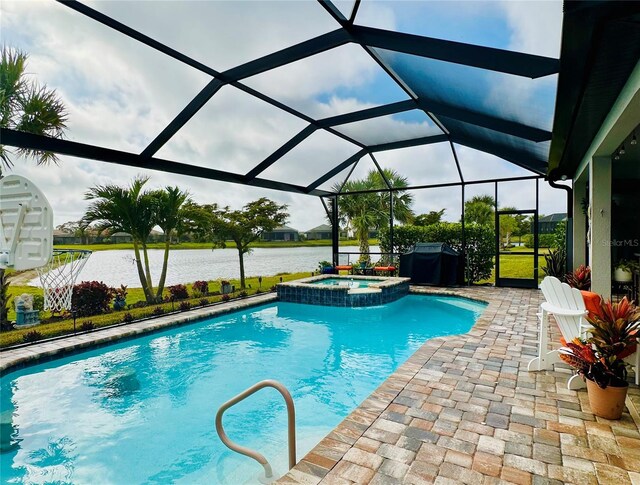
x,y
120,94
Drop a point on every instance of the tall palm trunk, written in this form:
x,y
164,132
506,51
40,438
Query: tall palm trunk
x,y
241,256
4,300
363,236
147,270
165,263
145,287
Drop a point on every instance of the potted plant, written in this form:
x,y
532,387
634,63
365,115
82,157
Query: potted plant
x,y
623,271
580,278
599,358
120,299
325,267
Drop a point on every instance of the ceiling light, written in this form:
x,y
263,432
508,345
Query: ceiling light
x,y
563,177
622,150
633,140
617,156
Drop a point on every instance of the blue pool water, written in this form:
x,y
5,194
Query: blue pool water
x,y
142,411
353,282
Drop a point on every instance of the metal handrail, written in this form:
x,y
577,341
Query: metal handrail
x,y
291,424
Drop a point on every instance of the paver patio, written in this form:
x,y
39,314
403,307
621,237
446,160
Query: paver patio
x,y
465,409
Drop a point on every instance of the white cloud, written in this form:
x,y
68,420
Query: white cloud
x,y
121,94
536,26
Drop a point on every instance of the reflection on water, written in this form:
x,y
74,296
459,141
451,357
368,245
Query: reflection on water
x,y
143,411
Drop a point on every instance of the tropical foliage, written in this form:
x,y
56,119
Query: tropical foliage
x,y
137,211
245,226
556,266
580,278
370,206
432,217
91,298
27,106
480,210
613,337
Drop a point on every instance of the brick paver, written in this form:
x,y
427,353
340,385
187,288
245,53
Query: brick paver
x,y
465,409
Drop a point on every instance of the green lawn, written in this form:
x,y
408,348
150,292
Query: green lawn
x,y
514,266
63,326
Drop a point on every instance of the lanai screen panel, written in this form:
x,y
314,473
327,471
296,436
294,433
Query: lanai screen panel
x,y
256,84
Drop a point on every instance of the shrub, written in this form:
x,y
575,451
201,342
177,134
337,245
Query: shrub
x,y
226,297
204,301
184,306
200,288
479,243
158,311
32,336
127,318
544,241
91,298
87,325
138,304
243,294
560,235
178,292
38,302
556,263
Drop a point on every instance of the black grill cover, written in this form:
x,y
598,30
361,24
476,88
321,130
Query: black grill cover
x,y
431,264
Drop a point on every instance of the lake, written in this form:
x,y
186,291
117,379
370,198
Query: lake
x,y
118,267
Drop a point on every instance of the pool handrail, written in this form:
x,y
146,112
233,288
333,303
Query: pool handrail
x,y
291,424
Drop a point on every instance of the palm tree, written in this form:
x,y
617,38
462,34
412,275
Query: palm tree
x,y
169,215
127,209
480,209
370,210
27,106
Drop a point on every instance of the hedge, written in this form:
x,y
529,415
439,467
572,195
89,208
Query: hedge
x,y
480,243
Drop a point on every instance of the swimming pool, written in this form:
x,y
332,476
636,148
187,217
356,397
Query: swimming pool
x,y
142,411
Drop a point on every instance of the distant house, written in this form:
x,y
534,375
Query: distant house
x,y
323,231
548,224
121,237
63,238
282,233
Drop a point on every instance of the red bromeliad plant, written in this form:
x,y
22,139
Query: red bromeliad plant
x,y
613,337
580,278
615,328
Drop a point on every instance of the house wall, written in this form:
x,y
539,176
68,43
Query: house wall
x,y
595,170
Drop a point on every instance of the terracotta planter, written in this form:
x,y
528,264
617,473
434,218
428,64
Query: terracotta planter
x,y
607,403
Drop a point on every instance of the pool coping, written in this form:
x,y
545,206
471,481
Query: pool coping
x,y
15,358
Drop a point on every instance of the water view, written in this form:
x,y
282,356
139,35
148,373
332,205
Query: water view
x,y
187,265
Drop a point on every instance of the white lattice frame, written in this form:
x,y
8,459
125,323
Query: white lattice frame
x,y
59,276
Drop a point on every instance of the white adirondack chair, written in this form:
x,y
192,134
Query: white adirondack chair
x,y
567,306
